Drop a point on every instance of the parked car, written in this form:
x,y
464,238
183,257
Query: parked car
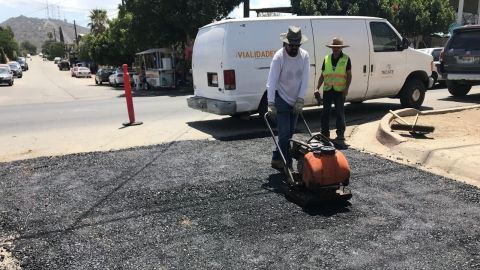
x,y
460,60
116,78
23,63
73,70
102,75
16,69
82,72
435,53
6,75
63,65
57,60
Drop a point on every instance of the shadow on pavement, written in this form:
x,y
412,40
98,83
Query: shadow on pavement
x,y
276,183
472,98
160,92
236,128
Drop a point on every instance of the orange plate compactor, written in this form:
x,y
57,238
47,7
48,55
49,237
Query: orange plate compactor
x,y
322,171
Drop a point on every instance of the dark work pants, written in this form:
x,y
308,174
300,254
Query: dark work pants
x,y
329,97
286,123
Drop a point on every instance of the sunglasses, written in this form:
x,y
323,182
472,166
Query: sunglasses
x,y
293,45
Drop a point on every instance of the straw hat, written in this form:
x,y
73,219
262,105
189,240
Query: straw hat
x,y
337,43
294,36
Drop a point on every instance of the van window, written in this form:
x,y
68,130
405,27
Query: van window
x,y
384,38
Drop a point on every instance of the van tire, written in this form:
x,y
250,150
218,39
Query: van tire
x,y
458,90
413,94
263,106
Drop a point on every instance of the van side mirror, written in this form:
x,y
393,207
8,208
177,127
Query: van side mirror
x,y
405,43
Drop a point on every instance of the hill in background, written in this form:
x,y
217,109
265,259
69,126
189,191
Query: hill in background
x,y
35,30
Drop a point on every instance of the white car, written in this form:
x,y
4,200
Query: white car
x,y
82,72
116,78
435,53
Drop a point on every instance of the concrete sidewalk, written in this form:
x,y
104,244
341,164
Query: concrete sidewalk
x,y
452,150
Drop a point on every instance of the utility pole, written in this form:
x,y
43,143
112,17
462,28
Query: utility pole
x,y
75,28
478,12
246,8
48,12
460,12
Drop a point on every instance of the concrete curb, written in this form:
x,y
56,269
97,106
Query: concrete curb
x,y
386,136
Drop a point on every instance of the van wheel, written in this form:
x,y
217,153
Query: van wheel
x,y
458,90
263,106
413,94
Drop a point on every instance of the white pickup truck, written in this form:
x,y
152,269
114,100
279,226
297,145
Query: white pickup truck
x,y
231,60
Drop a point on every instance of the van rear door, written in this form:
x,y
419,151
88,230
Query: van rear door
x,y
354,33
207,60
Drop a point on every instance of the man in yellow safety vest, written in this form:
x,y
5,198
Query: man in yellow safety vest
x,y
336,78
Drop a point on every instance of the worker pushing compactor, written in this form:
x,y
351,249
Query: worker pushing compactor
x,y
322,171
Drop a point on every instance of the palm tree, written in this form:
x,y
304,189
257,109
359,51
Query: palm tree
x,y
98,21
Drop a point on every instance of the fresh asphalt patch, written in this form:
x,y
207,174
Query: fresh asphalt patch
x,y
218,205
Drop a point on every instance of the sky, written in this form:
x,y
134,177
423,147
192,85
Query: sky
x,y
79,10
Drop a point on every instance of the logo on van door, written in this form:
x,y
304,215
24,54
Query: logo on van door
x,y
388,70
255,54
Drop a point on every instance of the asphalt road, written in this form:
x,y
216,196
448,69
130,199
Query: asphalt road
x,y
217,205
208,204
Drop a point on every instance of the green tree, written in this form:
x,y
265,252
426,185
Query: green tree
x,y
98,21
162,23
423,17
8,42
3,57
410,17
60,33
150,23
53,49
28,47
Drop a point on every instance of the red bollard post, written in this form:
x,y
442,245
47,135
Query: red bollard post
x,y
128,97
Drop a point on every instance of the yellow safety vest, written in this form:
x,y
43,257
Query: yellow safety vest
x,y
336,79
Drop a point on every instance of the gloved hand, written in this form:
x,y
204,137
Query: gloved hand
x,y
298,106
317,97
272,110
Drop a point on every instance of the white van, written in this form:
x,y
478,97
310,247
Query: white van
x,y
231,61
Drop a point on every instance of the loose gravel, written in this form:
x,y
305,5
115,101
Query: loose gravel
x,y
218,205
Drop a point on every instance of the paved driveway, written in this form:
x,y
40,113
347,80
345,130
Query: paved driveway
x,y
217,205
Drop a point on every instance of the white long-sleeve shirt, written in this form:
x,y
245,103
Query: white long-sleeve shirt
x,y
288,76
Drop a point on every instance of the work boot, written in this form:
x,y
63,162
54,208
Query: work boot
x,y
278,165
340,138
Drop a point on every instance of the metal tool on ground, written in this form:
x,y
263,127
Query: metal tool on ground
x,y
322,171
413,129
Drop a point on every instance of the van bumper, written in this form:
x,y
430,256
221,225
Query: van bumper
x,y
431,81
467,77
215,106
